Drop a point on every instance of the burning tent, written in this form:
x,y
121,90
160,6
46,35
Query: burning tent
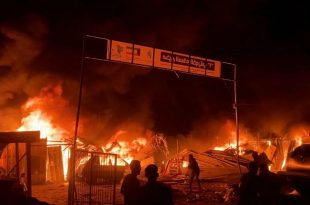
x,y
213,164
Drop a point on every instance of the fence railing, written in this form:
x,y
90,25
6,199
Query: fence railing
x,y
95,178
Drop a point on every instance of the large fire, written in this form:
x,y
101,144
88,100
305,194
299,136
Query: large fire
x,y
38,120
39,116
125,150
267,146
232,143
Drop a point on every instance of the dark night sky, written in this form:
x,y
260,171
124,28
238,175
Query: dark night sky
x,y
268,40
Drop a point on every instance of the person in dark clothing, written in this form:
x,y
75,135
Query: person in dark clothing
x,y
248,189
154,192
269,186
130,186
255,157
194,171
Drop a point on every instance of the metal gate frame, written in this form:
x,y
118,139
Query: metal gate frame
x,y
95,178
72,178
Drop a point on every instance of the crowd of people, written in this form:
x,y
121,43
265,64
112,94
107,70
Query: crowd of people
x,y
152,193
259,186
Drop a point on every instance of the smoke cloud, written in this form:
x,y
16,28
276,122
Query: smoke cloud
x,y
20,46
43,50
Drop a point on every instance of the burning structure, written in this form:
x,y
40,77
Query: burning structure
x,y
40,113
125,99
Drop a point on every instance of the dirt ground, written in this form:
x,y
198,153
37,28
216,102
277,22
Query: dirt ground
x,y
213,193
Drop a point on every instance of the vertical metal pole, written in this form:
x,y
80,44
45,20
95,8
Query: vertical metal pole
x,y
236,116
72,162
115,175
153,61
172,58
178,162
133,52
91,177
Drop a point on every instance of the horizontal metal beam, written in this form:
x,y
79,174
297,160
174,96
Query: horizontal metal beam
x,y
20,137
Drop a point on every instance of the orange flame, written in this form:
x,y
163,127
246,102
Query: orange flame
x,y
284,161
269,142
298,140
185,164
37,118
124,150
231,145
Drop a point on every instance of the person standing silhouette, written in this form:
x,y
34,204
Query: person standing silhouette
x,y
194,171
130,186
269,186
249,186
154,192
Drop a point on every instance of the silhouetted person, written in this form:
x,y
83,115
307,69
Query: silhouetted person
x,y
269,186
255,157
154,192
131,186
193,171
249,186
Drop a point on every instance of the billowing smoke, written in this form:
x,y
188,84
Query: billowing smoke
x,y
20,46
40,53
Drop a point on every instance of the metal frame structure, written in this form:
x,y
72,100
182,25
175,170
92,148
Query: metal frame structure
x,y
96,182
83,58
26,137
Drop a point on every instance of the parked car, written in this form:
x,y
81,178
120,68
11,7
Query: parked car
x,y
95,173
297,174
299,159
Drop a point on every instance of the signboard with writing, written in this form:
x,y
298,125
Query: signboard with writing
x,y
143,55
164,59
121,51
180,62
197,65
202,66
213,68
